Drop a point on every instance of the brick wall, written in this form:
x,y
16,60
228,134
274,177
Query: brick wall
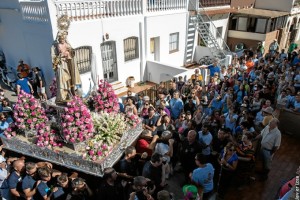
x,y
234,41
253,43
242,3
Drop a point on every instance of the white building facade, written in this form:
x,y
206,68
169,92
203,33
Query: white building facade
x,y
117,37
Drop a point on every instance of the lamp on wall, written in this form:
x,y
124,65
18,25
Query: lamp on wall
x,y
105,37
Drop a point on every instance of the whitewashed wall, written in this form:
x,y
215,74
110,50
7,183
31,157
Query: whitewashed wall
x,y
32,41
161,26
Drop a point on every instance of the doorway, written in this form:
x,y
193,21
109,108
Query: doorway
x,y
154,48
109,61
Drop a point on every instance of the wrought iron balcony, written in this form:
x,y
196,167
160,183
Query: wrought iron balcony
x,y
214,3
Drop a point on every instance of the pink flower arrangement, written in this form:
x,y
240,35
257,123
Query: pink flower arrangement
x,y
28,113
11,131
48,138
96,151
106,100
77,122
132,120
53,88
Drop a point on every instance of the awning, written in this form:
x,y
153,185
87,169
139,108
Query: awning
x,y
261,12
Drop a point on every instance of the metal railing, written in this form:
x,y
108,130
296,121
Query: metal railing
x,y
214,3
92,9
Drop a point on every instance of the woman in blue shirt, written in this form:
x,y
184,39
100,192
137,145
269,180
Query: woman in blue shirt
x,y
228,160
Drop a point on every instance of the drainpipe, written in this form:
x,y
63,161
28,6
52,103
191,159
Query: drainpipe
x,y
143,41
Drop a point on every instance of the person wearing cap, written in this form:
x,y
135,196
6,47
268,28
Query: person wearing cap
x,y
270,142
23,69
190,192
3,170
40,82
268,115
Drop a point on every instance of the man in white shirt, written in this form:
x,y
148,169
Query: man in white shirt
x,y
270,143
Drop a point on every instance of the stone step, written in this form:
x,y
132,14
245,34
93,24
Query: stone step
x,y
121,90
117,85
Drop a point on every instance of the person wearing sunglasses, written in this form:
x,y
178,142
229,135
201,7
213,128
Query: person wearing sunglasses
x,y
228,160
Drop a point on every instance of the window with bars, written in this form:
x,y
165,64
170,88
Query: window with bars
x,y
131,48
174,42
83,57
219,32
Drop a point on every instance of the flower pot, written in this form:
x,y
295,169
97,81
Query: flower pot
x,y
130,81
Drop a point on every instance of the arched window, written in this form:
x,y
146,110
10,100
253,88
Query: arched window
x,y
131,48
83,57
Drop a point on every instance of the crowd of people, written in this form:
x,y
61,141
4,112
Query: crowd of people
x,y
214,132
217,131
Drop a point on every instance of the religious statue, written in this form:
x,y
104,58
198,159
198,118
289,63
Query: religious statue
x,y
64,64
